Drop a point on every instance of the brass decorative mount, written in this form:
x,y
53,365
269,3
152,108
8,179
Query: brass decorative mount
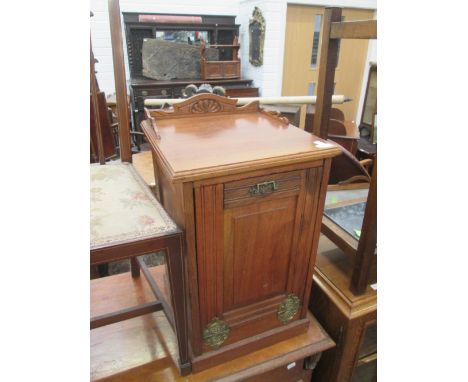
x,y
216,332
288,308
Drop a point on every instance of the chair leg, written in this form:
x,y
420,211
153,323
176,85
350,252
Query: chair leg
x,y
134,267
175,267
103,270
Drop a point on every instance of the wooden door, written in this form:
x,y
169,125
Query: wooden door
x,y
302,51
253,251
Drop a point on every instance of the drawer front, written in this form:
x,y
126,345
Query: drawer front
x,y
153,92
177,92
251,190
231,70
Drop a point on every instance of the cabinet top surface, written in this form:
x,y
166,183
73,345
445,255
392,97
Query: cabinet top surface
x,y
204,145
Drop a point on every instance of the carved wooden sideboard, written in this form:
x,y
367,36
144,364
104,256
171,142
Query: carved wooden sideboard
x,y
216,29
248,188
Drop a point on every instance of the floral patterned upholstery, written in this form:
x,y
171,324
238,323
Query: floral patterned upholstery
x,y
123,208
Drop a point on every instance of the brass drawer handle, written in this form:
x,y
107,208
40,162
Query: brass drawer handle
x,y
263,188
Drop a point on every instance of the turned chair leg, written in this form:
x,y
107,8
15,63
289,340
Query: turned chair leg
x,y
175,267
134,267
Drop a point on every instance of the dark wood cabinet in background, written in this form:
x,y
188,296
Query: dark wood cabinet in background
x,y
138,26
216,30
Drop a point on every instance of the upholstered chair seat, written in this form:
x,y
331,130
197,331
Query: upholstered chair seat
x,y
123,209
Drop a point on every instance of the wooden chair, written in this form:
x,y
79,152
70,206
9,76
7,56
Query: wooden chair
x,y
137,137
127,221
337,114
347,170
106,131
345,133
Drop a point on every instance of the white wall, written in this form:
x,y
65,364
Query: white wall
x,y
268,77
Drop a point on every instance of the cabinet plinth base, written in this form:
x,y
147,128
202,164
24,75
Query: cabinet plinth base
x,y
248,345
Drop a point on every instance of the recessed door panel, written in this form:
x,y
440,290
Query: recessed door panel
x,y
257,252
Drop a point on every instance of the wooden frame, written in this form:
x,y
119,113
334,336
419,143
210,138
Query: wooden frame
x,y
221,30
372,69
365,254
120,81
362,250
94,98
333,30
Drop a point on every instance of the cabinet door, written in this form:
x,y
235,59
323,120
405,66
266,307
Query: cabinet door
x,y
253,252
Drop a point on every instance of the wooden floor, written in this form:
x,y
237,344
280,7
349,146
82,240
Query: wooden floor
x,y
145,348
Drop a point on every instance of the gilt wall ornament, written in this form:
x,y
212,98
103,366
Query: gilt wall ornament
x,y
288,308
216,332
256,37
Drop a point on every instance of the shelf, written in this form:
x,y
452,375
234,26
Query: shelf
x,y
145,349
333,270
366,370
113,293
369,341
365,360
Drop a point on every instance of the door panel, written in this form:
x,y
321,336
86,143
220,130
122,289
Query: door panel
x,y
252,249
261,218
258,241
299,75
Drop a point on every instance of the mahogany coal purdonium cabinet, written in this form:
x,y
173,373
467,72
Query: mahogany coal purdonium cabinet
x,y
249,189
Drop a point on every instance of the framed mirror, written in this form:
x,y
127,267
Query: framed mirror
x,y
369,111
256,37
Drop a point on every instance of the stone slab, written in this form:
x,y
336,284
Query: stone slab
x,y
167,60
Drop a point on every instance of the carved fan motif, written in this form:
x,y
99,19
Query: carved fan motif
x,y
206,106
204,103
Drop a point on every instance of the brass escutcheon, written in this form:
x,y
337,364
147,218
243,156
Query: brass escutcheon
x,y
288,308
216,332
